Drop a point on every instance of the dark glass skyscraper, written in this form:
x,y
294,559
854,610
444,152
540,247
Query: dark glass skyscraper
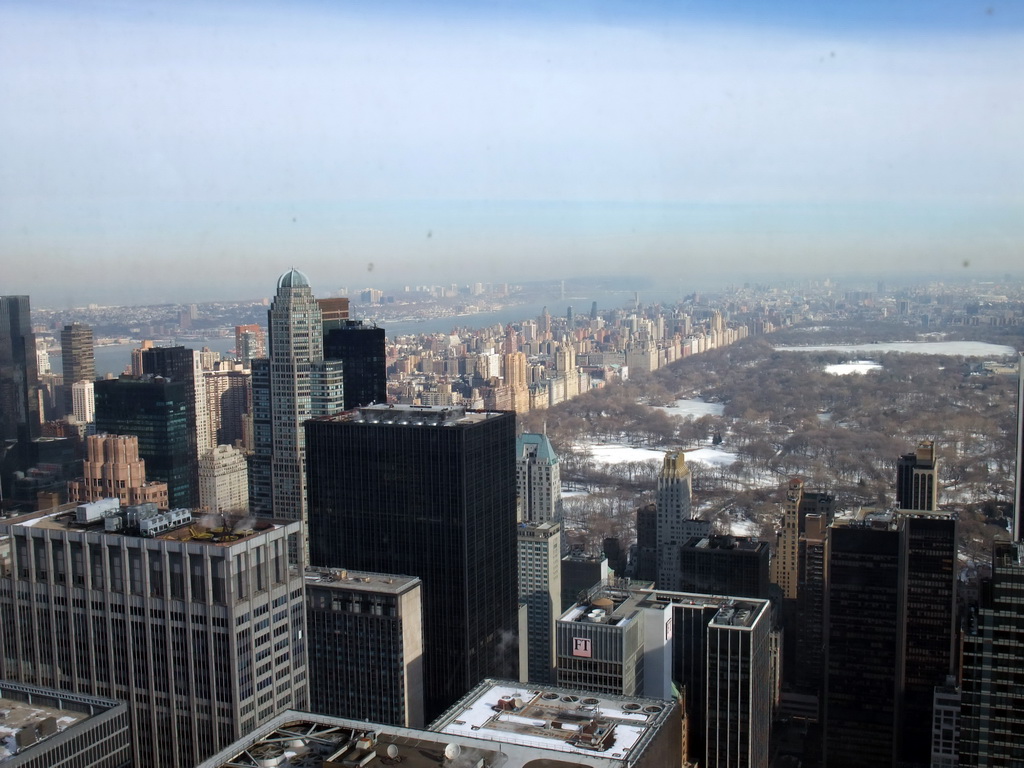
x,y
156,411
890,632
992,714
361,350
178,364
19,405
429,492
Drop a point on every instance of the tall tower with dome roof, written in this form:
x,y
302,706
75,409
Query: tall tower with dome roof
x,y
283,398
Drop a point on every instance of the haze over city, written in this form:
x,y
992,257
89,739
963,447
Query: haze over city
x,y
191,151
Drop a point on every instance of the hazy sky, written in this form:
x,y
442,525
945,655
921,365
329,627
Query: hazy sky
x,y
194,150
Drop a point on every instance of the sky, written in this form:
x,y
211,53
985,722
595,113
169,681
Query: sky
x,y
193,151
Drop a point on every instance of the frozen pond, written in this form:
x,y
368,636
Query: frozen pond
x,y
693,408
961,348
858,366
618,453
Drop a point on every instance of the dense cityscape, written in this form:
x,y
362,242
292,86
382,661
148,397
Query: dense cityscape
x,y
277,533
460,384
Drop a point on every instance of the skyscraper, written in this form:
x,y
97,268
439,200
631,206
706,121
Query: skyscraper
x,y
917,479
224,481
676,524
78,359
890,612
360,348
365,638
538,479
991,717
156,411
540,588
113,469
228,398
183,364
296,342
250,342
430,492
797,568
199,630
19,405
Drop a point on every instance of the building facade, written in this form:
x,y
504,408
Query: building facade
x,y
296,342
917,479
57,729
890,635
430,492
725,565
540,588
365,639
113,469
360,348
19,379
78,360
676,524
224,481
538,479
993,677
155,410
201,629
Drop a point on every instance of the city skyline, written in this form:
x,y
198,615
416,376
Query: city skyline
x,y
187,150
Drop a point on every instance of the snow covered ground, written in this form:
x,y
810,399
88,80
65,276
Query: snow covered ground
x,y
619,453
693,408
964,348
858,366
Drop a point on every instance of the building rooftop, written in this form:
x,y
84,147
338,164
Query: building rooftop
x,y
606,605
30,714
727,542
557,719
416,415
360,581
212,529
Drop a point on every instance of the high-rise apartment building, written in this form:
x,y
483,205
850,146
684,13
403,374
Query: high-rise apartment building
x,y
199,630
430,492
284,399
229,399
250,343
797,504
360,348
19,380
538,479
113,469
224,481
156,411
78,359
917,479
890,634
797,568
83,402
365,637
540,588
676,524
